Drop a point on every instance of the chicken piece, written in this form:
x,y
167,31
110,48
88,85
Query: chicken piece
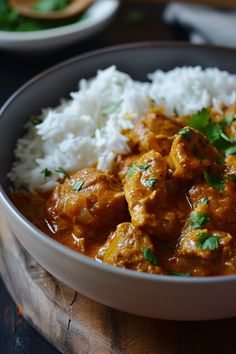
x,y
202,244
146,193
201,252
154,132
123,165
90,202
128,247
219,205
191,154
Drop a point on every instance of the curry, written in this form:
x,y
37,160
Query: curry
x,y
169,207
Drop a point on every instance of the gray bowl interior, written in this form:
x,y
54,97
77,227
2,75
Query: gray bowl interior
x,y
137,60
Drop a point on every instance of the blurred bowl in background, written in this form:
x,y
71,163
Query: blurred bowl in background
x,y
95,18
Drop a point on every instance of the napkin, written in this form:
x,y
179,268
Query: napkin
x,y
206,24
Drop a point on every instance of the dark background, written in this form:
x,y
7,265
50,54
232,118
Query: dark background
x,y
133,22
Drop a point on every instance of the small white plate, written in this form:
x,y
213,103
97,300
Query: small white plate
x,y
97,17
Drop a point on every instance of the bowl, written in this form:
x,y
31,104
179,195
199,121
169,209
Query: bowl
x,y
164,297
98,15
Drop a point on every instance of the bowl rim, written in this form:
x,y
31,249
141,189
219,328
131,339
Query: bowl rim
x,y
76,256
79,26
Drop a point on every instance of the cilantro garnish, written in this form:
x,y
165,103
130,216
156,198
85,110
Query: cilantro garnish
x,y
37,120
150,182
227,121
203,201
198,220
131,171
50,5
178,274
220,161
213,131
230,150
200,120
185,133
231,177
112,108
78,185
214,181
176,112
150,256
143,167
207,241
46,172
62,170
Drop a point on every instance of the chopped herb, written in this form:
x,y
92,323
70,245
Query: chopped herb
x,y
78,185
50,5
207,241
200,120
178,274
198,220
228,138
131,171
37,120
230,150
176,112
203,201
150,256
62,170
143,166
112,108
231,177
214,181
186,134
220,161
213,131
227,121
150,182
46,172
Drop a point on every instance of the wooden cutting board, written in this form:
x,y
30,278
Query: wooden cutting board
x,y
75,324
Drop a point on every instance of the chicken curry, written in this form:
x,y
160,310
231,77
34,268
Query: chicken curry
x,y
169,207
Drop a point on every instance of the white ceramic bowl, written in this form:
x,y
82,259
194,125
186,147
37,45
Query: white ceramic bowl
x,y
98,15
165,297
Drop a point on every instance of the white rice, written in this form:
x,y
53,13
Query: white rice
x,y
87,128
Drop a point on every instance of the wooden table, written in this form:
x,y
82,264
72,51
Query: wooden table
x,y
70,321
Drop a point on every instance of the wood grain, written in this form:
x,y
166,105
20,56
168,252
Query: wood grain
x,y
77,325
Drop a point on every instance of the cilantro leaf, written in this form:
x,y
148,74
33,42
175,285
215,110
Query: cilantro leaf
x,y
46,172
178,274
112,108
150,182
63,171
220,161
214,181
203,201
198,220
144,166
200,120
37,120
50,5
131,171
150,256
227,121
78,185
185,133
207,241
